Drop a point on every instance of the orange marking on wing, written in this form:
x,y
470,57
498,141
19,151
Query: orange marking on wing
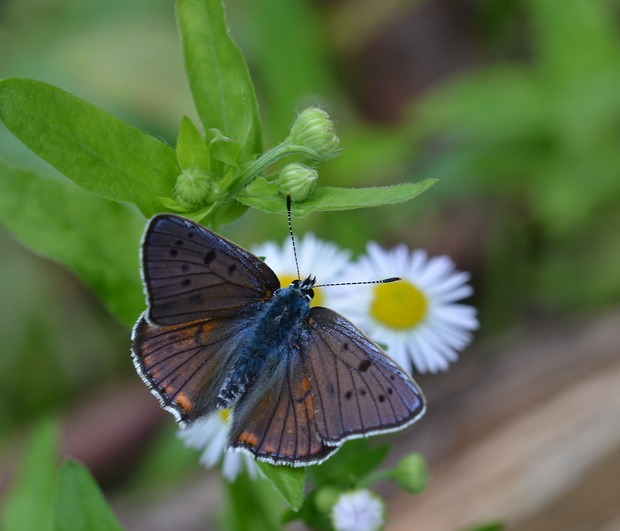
x,y
184,401
269,449
210,324
248,438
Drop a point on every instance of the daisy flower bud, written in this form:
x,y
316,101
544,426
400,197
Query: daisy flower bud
x,y
193,188
313,132
411,474
359,510
297,180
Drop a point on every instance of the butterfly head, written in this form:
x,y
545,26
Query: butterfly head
x,y
305,287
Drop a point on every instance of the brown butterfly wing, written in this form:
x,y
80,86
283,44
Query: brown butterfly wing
x,y
191,273
185,365
275,421
357,389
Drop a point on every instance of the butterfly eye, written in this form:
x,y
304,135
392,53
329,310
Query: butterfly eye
x,y
310,293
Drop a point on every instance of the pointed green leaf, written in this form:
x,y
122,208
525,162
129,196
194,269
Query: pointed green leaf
x,y
224,149
192,152
100,153
29,503
262,195
288,481
80,505
98,239
218,75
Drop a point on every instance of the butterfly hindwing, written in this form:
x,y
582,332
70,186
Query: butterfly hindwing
x,y
358,390
275,421
185,365
192,273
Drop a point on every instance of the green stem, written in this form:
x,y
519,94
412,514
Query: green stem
x,y
375,476
252,171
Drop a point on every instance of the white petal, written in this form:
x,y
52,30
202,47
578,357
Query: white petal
x,y
358,511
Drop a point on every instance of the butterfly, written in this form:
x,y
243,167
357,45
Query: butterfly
x,y
220,333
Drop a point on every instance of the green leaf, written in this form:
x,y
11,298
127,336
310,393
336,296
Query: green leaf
x,y
98,239
218,75
262,195
288,481
353,461
29,503
224,149
250,505
192,152
80,504
100,153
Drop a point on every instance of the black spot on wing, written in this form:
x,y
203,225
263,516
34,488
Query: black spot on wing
x,y
364,365
210,256
375,395
175,250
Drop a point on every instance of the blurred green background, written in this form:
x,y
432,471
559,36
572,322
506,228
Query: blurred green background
x,y
514,105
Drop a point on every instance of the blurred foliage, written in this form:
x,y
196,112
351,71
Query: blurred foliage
x,y
540,138
47,497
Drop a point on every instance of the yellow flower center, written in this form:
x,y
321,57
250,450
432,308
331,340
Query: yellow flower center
x,y
399,304
285,280
224,415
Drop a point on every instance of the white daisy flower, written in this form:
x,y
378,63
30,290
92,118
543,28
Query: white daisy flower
x,y
210,434
321,259
359,510
417,318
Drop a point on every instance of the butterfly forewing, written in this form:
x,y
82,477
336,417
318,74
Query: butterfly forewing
x,y
192,273
358,389
185,365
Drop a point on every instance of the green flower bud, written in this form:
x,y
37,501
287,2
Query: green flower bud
x,y
297,180
411,473
325,498
193,188
314,133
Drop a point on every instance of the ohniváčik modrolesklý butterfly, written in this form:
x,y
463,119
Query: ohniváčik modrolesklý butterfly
x,y
220,333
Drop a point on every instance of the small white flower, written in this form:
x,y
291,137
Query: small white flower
x,y
417,318
359,510
321,259
210,435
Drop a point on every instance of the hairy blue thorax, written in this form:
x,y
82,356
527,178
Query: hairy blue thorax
x,y
269,339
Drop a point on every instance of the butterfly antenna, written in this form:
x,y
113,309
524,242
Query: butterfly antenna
x,y
290,230
384,281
